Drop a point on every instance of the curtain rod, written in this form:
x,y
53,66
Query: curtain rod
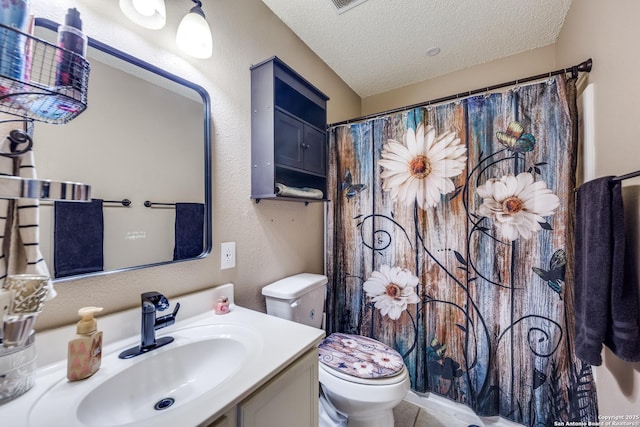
x,y
584,66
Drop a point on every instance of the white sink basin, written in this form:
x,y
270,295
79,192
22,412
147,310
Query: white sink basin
x,y
148,386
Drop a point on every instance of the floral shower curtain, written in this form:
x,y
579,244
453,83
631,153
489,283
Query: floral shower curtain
x,y
450,239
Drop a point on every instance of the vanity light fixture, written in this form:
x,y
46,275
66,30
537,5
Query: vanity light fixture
x,y
150,14
194,34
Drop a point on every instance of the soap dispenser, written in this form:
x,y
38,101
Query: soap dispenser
x,y
85,350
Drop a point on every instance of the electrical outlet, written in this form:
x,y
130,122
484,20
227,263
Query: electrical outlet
x,y
227,255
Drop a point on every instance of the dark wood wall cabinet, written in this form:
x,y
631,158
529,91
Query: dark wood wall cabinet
x,y
288,133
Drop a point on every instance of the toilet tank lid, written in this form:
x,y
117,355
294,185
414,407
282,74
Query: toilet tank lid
x,y
294,286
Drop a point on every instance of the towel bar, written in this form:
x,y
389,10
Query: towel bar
x,y
123,202
626,176
150,204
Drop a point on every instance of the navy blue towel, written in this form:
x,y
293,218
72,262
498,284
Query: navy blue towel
x,y
605,291
189,230
78,238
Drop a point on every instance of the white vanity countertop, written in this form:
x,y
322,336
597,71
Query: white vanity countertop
x,y
281,343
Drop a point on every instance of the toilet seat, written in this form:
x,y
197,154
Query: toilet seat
x,y
360,359
398,378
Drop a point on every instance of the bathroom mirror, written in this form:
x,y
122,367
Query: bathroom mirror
x,y
145,136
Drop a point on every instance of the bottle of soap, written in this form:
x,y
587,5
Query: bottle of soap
x,y
85,350
70,70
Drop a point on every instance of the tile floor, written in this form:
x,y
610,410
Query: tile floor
x,y
409,415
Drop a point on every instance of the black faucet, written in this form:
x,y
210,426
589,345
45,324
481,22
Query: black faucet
x,y
152,302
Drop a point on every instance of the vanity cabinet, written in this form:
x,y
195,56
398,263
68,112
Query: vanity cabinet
x,y
227,420
289,399
288,132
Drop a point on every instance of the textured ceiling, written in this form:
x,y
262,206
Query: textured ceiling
x,y
380,45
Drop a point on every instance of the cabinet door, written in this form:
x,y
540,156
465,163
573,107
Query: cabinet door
x,y
288,141
315,152
226,420
291,399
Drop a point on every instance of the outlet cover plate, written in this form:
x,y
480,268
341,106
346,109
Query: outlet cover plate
x,y
227,255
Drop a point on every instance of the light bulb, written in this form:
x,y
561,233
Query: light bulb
x,y
194,35
150,14
144,7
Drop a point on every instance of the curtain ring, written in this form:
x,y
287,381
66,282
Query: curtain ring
x,y
516,87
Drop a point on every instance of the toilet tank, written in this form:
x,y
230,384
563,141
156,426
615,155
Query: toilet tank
x,y
299,298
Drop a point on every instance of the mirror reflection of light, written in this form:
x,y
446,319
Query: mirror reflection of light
x,y
144,7
194,34
150,14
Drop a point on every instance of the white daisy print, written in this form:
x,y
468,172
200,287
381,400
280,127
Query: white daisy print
x,y
388,360
363,368
517,204
392,289
421,169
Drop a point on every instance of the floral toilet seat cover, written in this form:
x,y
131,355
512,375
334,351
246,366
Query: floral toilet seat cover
x,y
359,356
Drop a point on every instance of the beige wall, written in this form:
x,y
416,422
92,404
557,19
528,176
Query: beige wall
x,y
273,239
530,63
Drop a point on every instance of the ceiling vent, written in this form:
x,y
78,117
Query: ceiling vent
x,y
344,5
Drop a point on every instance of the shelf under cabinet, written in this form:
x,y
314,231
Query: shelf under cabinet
x,y
305,200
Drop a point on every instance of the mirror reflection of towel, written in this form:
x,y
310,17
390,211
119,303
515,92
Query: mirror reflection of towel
x,y
78,238
189,230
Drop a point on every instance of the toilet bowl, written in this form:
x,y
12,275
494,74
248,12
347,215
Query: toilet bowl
x,y
362,378
365,402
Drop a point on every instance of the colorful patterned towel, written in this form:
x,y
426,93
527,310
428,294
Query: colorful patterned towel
x,y
359,356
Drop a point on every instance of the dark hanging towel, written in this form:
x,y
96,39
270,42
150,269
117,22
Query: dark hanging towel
x,y
78,238
189,230
606,287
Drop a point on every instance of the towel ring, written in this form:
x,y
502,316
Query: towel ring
x,y
17,137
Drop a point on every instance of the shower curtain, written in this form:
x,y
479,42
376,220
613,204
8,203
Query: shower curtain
x,y
450,237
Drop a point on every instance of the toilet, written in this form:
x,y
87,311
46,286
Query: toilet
x,y
363,379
